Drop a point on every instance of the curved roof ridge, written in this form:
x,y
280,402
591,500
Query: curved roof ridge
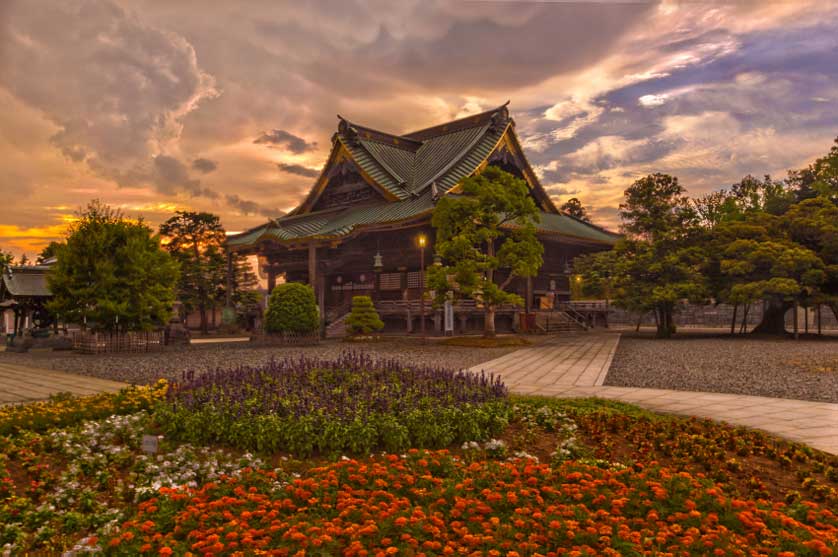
x,y
372,134
473,119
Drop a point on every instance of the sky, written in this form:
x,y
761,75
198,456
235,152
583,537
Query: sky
x,y
229,107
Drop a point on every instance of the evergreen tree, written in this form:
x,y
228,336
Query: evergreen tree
x,y
196,241
49,251
472,241
112,273
246,295
363,319
575,209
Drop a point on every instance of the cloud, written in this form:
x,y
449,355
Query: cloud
x,y
96,94
204,165
288,140
297,169
116,89
250,207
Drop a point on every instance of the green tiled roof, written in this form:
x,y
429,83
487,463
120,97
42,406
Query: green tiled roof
x,y
551,223
406,166
335,224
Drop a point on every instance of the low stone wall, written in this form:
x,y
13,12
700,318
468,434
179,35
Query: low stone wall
x,y
693,315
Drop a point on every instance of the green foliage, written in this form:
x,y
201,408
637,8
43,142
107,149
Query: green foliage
x,y
655,208
6,260
658,265
292,309
51,250
112,273
489,228
363,319
820,179
196,241
353,404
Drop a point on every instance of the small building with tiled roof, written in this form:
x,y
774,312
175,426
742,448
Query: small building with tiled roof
x,y
23,293
356,230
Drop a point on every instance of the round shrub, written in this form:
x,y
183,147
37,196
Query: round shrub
x,y
351,404
292,309
363,319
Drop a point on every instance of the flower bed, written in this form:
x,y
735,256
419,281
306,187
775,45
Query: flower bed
x,y
56,487
351,404
64,410
610,479
435,504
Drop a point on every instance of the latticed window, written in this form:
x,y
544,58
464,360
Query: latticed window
x,y
413,279
391,281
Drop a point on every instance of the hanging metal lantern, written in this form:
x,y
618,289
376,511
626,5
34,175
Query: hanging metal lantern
x,y
377,263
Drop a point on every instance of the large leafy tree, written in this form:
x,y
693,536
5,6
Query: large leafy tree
x,y
575,209
196,241
658,262
486,239
112,273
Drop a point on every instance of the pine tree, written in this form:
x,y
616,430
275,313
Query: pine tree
x,y
363,318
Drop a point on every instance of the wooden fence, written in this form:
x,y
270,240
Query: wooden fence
x,y
101,343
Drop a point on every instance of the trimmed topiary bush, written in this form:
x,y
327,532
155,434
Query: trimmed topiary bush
x,y
292,309
364,319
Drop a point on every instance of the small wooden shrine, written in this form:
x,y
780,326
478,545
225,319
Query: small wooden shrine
x,y
357,230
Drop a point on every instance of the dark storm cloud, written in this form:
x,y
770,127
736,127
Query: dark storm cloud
x,y
204,165
297,169
288,140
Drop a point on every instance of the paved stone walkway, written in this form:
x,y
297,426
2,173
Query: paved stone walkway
x,y
25,384
576,366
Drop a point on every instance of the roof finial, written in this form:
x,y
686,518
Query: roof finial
x,y
434,191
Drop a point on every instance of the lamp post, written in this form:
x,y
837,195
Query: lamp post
x,y
422,242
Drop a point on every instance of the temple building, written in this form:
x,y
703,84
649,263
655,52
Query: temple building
x,y
358,229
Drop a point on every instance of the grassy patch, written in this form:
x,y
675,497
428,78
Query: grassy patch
x,y
480,342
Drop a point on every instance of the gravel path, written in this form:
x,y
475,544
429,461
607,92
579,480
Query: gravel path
x,y
782,368
169,364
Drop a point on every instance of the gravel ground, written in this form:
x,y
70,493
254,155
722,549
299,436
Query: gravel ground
x,y
147,367
782,368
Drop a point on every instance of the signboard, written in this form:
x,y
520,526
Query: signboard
x,y
449,317
150,444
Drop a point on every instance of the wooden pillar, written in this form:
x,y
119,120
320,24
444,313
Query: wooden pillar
x,y
312,266
528,294
796,334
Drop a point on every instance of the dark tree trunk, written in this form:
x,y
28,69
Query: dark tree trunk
x,y
204,325
773,317
744,327
733,321
489,325
665,323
